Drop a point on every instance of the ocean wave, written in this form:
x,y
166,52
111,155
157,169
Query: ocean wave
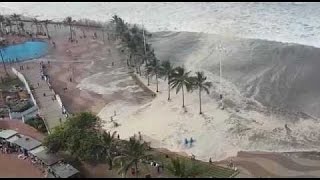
x,y
276,21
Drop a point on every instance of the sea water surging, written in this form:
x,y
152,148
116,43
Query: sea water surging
x,y
256,76
275,21
275,74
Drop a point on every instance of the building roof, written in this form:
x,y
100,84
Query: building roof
x,y
36,150
27,143
48,158
12,139
63,170
7,133
21,128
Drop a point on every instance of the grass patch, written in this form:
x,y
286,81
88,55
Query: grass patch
x,y
9,83
38,124
19,106
208,170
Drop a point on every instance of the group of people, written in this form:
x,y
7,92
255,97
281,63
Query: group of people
x,y
21,67
186,142
8,148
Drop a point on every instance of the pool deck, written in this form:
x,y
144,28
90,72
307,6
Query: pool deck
x,y
50,110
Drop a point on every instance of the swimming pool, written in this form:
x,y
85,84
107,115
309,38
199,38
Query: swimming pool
x,y
24,51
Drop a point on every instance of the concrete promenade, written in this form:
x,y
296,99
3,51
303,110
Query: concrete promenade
x,y
49,109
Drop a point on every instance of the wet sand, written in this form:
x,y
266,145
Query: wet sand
x,y
12,167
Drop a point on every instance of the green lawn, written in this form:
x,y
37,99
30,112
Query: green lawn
x,y
209,170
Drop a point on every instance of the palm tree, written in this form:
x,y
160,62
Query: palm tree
x,y
69,21
180,79
153,69
21,25
46,22
9,23
2,20
134,152
108,143
35,22
179,168
16,18
166,70
199,81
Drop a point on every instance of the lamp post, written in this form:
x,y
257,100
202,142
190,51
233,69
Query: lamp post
x,y
220,48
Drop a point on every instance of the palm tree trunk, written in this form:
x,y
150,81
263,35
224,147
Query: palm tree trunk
x,y
123,174
157,82
168,90
70,32
47,32
182,97
200,99
110,164
139,69
1,26
37,30
136,164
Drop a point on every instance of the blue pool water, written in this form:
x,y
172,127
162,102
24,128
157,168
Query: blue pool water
x,y
25,51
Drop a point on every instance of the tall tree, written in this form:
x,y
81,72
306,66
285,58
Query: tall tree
x,y
131,156
69,22
46,23
80,136
166,70
15,18
153,68
2,21
199,82
9,23
21,25
108,141
180,79
35,22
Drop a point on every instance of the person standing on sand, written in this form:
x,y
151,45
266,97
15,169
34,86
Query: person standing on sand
x,y
191,141
140,137
185,141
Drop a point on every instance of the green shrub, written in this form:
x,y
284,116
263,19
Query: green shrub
x,y
38,124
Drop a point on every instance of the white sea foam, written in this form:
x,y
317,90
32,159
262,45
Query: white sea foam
x,y
276,21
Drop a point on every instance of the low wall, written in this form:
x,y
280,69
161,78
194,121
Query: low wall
x,y
58,98
25,115
31,112
141,84
23,79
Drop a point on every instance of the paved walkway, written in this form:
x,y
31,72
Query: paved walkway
x,y
49,109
